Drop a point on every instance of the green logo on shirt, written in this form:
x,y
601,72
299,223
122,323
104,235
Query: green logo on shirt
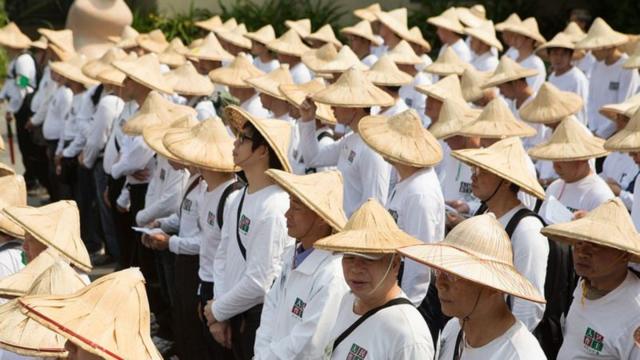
x,y
298,307
357,353
593,341
244,224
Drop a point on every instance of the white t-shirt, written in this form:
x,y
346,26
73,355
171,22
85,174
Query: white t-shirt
x,y
533,61
621,168
511,53
266,67
586,64
10,263
542,132
455,179
415,99
517,343
301,73
188,239
604,328
417,206
57,112
576,82
254,107
461,49
585,194
485,62
397,332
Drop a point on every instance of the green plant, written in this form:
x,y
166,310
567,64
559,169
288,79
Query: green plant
x,y
181,25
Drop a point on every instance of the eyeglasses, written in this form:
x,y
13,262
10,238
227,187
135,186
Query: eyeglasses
x,y
242,137
447,276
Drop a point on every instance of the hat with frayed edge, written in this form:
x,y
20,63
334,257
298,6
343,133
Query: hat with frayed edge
x,y
508,70
153,136
145,70
569,142
14,193
185,80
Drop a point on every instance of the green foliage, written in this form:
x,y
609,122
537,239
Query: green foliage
x,y
180,25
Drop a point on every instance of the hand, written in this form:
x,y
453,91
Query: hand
x,y
152,225
29,125
615,187
105,197
142,175
579,214
453,220
208,313
459,205
221,332
8,116
121,209
57,160
81,160
546,182
159,240
308,110
145,241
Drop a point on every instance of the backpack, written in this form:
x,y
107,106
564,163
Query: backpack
x,y
559,283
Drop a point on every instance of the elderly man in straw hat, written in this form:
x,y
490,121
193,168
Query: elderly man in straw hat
x,y
609,82
605,312
371,267
254,235
304,300
13,193
526,38
474,271
451,31
365,173
117,327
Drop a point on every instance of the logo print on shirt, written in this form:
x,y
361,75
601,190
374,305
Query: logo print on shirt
x,y
408,101
357,353
244,224
614,85
211,218
163,174
593,341
186,205
465,188
394,215
352,155
298,307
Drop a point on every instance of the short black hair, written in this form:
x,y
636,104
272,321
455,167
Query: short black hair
x,y
514,188
258,140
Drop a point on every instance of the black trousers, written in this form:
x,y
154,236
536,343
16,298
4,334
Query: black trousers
x,y
89,212
34,156
215,351
243,332
121,222
189,340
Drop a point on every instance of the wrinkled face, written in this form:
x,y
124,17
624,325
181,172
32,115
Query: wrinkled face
x,y
300,219
560,58
32,247
78,353
484,183
369,278
458,296
432,108
595,262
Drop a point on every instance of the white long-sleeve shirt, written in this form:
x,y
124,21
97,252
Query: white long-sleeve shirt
x,y
242,283
300,73
254,107
43,94
134,155
108,110
266,67
415,99
365,173
114,144
533,61
164,192
21,69
530,253
485,62
300,307
576,82
82,120
57,112
70,128
189,237
417,205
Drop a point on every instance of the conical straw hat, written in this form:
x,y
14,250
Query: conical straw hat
x,y
276,133
496,121
386,73
508,70
230,24
114,76
529,28
302,27
11,36
93,67
325,34
156,110
6,170
289,44
396,20
368,13
56,225
173,54
317,58
403,54
1,149
511,20
18,284
236,73
210,49
633,62
551,105
22,335
153,41
569,142
447,63
448,20
506,159
72,70
346,59
370,230
561,40
14,193
467,18
447,87
627,139
454,115
236,37
601,35
478,11
186,80
401,138
41,43
207,145
320,192
270,82
363,30
626,108
153,135
607,225
471,82
353,90
486,33
478,250
109,318
146,71
574,32
63,39
297,93
127,38
210,24
264,35
415,36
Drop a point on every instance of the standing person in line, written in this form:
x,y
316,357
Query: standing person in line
x,y
527,38
451,31
262,57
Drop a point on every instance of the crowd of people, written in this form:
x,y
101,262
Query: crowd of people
x,y
295,197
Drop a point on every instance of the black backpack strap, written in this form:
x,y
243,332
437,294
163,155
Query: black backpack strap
x,y
243,250
237,185
368,314
482,209
13,244
519,215
324,134
457,353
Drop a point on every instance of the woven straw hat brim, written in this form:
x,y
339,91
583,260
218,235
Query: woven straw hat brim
x,y
599,41
14,194
493,274
627,108
443,89
317,58
236,74
72,72
302,27
213,154
18,284
235,38
561,40
268,86
325,36
11,36
443,130
352,90
113,77
326,204
624,141
264,35
282,46
497,129
484,36
277,133
191,85
135,125
398,28
564,105
153,137
569,151
403,54
443,69
172,58
388,78
417,149
498,79
474,157
354,30
446,23
368,13
559,233
521,30
296,94
368,241
472,90
136,71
